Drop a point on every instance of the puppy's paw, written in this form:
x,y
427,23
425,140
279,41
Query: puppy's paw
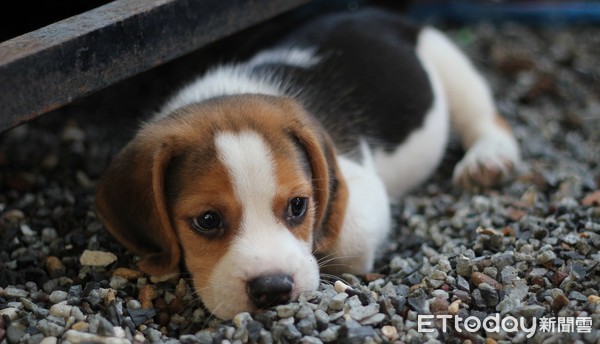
x,y
488,162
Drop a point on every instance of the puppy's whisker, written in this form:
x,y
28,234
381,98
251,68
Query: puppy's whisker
x,y
212,314
328,255
333,277
196,292
323,263
342,265
341,256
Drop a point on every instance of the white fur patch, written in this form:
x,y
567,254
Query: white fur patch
x,y
263,245
222,81
252,170
239,79
367,221
303,58
469,97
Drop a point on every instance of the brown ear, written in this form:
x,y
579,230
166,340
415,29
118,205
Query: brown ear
x,y
330,190
130,200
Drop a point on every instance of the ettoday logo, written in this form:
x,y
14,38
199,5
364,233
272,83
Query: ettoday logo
x,y
494,324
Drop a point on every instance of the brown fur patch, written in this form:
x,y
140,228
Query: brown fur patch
x,y
338,201
208,192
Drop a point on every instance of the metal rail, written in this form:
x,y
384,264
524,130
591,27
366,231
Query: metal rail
x,y
50,67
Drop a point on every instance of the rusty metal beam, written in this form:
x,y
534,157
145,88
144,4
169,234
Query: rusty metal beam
x,y
50,67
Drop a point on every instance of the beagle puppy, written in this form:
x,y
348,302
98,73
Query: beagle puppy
x,y
256,170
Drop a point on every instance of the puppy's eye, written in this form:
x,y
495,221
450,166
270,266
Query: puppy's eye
x,y
296,210
207,223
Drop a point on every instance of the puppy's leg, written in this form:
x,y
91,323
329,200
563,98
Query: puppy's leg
x,y
491,149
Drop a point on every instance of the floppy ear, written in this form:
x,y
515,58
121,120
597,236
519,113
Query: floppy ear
x,y
130,200
330,192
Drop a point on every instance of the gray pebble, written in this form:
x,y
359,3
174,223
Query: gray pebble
x,y
527,248
545,257
77,314
240,334
286,311
363,312
373,320
254,330
462,284
337,302
417,300
509,274
15,332
29,305
330,334
49,328
304,312
577,296
49,234
311,296
94,298
571,238
439,293
204,337
463,266
353,301
61,310
310,340
435,283
266,337
27,231
189,339
242,319
292,333
333,317
402,290
39,339
277,332
438,275
118,282
322,319
306,326
153,335
538,272
503,260
351,333
478,298
491,271
198,315
489,294
13,292
133,304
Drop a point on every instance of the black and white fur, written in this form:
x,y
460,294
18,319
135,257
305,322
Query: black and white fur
x,y
387,92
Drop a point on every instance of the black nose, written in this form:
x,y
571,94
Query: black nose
x,y
270,290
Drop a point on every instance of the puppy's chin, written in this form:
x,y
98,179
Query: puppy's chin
x,y
225,293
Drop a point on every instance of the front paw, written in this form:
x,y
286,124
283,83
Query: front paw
x,y
488,162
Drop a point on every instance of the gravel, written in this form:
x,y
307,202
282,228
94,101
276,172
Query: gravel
x,y
526,249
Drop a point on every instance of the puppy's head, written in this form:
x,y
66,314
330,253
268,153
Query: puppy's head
x,y
242,189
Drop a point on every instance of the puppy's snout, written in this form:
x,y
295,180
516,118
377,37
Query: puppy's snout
x,y
270,290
